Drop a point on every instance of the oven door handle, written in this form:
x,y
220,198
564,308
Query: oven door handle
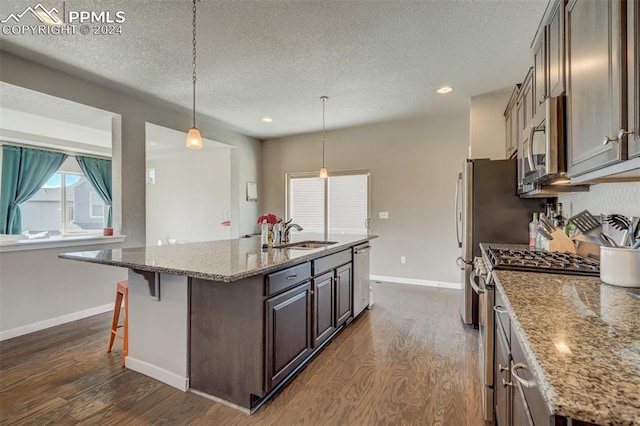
x,y
461,262
474,286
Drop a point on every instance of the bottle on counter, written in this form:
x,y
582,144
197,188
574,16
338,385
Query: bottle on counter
x,y
533,231
559,220
539,237
264,234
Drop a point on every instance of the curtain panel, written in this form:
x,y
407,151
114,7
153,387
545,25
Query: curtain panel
x,y
98,172
24,172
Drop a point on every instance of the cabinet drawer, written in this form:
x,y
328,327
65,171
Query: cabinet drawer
x,y
287,278
332,261
532,393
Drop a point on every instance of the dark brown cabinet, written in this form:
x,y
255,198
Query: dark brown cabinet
x,y
512,133
555,50
595,84
344,294
633,78
517,397
324,323
288,332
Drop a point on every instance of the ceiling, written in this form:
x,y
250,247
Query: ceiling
x,y
376,60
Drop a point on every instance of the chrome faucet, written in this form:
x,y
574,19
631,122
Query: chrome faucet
x,y
284,236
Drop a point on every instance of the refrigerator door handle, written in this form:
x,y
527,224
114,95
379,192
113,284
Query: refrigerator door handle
x,y
458,211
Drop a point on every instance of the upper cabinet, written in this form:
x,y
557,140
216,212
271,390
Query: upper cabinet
x,y
512,128
633,77
540,68
555,51
594,84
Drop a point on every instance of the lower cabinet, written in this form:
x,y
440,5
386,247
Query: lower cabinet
x,y
324,323
344,294
288,332
518,400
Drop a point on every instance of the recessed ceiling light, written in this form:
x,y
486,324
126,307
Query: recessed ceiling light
x,y
444,89
267,119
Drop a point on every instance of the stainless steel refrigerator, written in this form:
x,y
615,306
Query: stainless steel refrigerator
x,y
488,210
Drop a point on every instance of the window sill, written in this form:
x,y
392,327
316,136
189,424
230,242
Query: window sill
x,y
55,242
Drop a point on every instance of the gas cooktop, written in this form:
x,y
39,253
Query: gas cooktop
x,y
542,261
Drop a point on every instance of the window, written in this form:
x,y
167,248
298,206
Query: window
x,y
340,202
65,205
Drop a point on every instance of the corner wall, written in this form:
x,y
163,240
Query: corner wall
x,y
414,165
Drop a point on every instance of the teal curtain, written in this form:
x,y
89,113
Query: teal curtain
x,y
98,172
24,172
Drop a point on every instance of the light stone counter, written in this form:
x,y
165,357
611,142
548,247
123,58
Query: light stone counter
x,y
581,338
223,261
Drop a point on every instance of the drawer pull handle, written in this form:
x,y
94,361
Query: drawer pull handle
x,y
292,277
500,309
505,383
502,369
523,382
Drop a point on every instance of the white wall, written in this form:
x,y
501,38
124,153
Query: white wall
x,y
487,124
414,166
191,196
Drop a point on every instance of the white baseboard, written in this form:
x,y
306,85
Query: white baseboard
x,y
414,281
165,376
41,325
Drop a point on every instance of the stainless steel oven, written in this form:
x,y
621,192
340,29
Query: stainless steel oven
x,y
481,283
543,146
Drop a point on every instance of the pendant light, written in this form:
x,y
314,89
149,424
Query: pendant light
x,y
323,171
194,138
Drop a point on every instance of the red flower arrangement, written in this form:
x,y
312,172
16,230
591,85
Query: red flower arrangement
x,y
270,218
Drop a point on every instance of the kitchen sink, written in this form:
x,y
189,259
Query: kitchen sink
x,y
308,244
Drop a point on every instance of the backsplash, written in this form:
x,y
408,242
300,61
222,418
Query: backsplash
x,y
607,198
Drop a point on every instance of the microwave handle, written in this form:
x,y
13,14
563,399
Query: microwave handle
x,y
530,148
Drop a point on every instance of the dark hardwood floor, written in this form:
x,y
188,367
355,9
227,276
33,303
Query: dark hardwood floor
x,y
408,361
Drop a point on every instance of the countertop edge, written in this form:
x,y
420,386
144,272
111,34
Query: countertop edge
x,y
313,254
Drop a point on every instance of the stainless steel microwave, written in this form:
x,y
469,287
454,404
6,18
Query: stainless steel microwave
x,y
543,160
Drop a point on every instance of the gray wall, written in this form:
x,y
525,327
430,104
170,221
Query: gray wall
x,y
487,126
23,299
414,166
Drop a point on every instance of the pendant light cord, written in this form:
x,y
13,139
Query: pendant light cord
x,y
194,63
324,99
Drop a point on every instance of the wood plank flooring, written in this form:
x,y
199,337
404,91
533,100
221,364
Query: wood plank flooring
x,y
408,361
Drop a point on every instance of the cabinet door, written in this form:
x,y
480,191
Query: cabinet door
x,y
520,415
633,75
288,332
594,84
344,294
555,31
502,379
509,124
540,70
323,306
527,102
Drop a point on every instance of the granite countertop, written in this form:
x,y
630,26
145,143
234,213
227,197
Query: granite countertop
x,y
225,261
581,338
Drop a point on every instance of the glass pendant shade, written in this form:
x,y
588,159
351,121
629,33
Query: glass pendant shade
x,y
194,138
323,173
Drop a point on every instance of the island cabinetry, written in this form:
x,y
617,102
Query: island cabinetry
x,y
288,332
324,297
344,294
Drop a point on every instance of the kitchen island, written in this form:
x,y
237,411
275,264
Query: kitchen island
x,y
232,321
580,346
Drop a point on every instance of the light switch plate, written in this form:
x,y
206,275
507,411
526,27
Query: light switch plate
x,y
384,215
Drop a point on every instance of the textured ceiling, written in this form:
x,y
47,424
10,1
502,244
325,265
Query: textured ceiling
x,y
376,60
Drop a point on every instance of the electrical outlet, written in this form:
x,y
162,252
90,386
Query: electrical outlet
x,y
403,259
383,215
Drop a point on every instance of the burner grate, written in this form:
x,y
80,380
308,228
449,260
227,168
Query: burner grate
x,y
542,261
